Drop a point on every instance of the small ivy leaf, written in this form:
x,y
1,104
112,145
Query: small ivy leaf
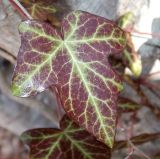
x,y
72,142
47,10
126,21
137,140
127,105
75,61
131,58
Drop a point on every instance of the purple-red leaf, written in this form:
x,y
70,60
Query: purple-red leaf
x,y
75,61
72,142
137,140
49,10
127,105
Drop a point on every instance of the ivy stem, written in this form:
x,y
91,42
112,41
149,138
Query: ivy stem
x,y
136,33
131,131
141,153
16,4
150,75
136,85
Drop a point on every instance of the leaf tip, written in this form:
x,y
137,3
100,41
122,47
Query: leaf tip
x,y
136,67
17,91
110,143
23,26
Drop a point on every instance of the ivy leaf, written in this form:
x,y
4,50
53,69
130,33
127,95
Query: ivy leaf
x,y
126,21
47,10
133,60
127,105
75,61
130,57
72,142
138,140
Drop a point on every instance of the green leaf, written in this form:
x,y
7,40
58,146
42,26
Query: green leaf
x,y
134,60
74,61
130,56
126,20
72,142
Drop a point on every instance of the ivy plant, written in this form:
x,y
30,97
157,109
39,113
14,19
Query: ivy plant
x,y
75,62
81,58
68,143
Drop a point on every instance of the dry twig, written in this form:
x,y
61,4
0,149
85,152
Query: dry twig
x,y
8,56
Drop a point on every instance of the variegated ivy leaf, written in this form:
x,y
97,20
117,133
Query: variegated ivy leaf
x,y
75,61
127,105
72,142
48,10
138,140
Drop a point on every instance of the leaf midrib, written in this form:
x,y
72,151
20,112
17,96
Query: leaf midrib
x,y
78,146
74,59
